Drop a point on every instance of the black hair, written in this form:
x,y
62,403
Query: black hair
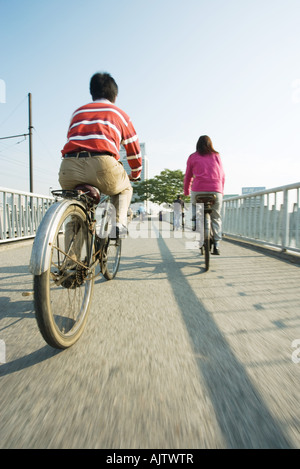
x,y
204,146
103,86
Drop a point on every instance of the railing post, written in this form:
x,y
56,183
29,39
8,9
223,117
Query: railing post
x,y
297,219
261,216
267,220
285,220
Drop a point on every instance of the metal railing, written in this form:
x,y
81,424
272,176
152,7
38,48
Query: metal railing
x,y
21,213
270,217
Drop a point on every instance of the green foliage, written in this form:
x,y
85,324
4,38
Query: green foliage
x,y
163,188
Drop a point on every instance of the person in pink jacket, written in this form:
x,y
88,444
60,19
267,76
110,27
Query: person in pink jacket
x,y
205,173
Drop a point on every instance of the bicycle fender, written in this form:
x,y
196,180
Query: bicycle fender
x,y
41,249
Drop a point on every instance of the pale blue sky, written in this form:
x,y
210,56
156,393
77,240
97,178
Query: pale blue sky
x,y
226,68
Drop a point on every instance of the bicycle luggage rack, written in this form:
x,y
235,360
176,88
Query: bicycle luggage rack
x,y
74,194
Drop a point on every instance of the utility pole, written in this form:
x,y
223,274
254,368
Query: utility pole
x,y
30,144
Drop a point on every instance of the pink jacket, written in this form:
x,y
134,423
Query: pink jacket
x,y
204,173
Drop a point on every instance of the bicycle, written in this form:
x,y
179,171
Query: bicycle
x,y
68,247
205,228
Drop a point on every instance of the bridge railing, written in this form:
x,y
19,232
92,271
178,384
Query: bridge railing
x,y
270,217
21,213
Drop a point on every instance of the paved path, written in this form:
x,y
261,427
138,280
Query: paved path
x,y
172,357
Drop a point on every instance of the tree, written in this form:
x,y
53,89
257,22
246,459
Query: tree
x,y
163,188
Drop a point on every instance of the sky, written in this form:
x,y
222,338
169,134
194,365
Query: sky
x,y
229,69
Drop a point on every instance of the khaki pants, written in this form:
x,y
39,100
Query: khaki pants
x,y
103,172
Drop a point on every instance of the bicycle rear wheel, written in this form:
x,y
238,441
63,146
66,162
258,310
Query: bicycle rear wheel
x,y
207,253
207,245
63,293
112,256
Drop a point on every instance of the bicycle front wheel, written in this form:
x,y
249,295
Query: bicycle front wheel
x,y
63,294
112,255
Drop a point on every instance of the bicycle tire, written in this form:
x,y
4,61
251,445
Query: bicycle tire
x,y
112,253
63,293
207,253
207,245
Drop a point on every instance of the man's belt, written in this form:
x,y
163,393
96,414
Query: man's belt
x,y
86,154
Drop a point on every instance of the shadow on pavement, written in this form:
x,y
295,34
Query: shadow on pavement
x,y
242,414
27,361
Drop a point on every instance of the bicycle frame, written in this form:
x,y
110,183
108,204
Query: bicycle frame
x,y
98,239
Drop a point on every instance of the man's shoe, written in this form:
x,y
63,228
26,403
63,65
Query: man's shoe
x,y
119,231
216,251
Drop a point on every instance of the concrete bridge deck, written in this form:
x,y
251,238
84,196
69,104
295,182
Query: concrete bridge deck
x,y
172,357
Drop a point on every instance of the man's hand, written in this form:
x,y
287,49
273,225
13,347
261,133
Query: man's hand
x,y
134,179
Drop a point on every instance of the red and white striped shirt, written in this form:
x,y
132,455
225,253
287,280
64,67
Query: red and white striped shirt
x,y
102,126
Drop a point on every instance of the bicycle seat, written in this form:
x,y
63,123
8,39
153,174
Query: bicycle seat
x,y
206,199
90,191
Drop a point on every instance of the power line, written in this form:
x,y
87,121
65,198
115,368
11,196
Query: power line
x,y
14,136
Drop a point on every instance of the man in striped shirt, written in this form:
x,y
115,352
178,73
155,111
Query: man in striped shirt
x,y
91,153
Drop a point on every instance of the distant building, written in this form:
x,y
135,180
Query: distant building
x,y
145,170
227,196
245,191
250,190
